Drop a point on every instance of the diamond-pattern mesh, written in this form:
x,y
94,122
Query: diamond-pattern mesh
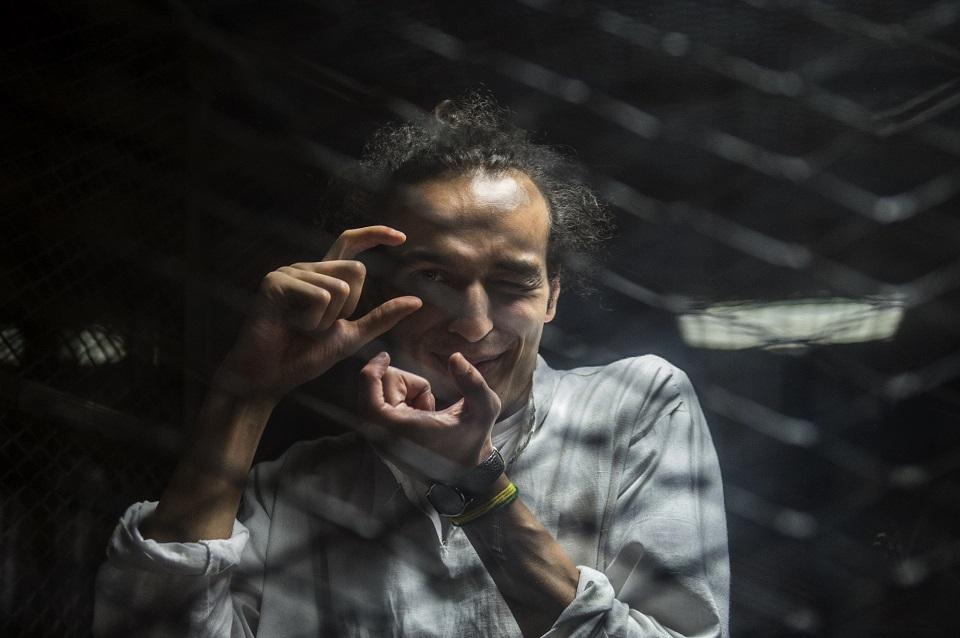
x,y
159,158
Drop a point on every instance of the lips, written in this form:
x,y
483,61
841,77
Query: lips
x,y
482,362
479,359
486,365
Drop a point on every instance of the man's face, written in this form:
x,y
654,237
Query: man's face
x,y
476,255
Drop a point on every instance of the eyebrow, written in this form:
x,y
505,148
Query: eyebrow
x,y
521,267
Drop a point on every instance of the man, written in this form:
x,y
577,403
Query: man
x,y
483,493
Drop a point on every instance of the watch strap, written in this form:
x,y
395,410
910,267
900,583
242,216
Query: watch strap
x,y
477,480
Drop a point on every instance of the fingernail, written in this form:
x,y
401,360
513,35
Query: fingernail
x,y
381,356
460,364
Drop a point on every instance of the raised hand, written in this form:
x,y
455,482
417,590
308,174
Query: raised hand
x,y
300,324
438,444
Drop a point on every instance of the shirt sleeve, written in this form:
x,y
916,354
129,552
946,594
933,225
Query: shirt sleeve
x,y
669,575
210,588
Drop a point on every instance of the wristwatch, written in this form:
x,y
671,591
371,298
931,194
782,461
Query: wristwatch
x,y
453,500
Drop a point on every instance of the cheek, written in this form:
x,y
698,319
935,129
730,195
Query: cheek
x,y
524,312
410,329
520,318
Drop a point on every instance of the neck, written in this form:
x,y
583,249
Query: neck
x,y
517,404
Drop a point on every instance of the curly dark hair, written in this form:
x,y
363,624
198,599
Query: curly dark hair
x,y
473,133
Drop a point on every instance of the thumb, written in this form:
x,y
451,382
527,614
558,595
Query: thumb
x,y
478,398
382,318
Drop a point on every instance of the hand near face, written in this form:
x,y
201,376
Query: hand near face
x,y
300,325
438,444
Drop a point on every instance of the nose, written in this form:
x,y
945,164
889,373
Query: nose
x,y
471,319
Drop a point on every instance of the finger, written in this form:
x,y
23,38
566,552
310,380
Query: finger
x,y
477,395
351,271
416,388
338,290
382,318
302,305
394,388
425,401
402,387
356,240
371,397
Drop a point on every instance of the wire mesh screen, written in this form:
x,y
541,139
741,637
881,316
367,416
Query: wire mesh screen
x,y
784,177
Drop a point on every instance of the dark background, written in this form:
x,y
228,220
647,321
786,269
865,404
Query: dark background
x,y
159,157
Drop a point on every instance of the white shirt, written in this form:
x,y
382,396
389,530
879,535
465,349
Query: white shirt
x,y
619,468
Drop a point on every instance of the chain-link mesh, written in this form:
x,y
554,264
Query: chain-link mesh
x,y
765,159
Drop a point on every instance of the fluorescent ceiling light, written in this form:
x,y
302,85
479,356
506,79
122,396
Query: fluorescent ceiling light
x,y
12,346
93,346
791,324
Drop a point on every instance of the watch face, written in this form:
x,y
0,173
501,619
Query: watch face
x,y
447,500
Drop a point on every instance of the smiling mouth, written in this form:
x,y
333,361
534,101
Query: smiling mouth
x,y
483,364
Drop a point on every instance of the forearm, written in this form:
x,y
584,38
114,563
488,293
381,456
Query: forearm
x,y
203,496
533,573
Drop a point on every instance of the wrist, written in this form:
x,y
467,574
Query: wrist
x,y
226,435
229,386
484,453
455,497
251,403
495,488
496,499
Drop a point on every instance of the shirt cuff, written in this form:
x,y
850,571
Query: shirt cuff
x,y
202,558
590,609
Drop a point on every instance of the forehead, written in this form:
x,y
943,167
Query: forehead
x,y
504,212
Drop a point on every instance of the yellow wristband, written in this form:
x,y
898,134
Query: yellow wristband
x,y
506,496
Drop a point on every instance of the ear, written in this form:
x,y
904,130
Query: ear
x,y
552,299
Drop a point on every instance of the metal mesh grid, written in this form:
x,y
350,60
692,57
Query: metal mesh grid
x,y
160,158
